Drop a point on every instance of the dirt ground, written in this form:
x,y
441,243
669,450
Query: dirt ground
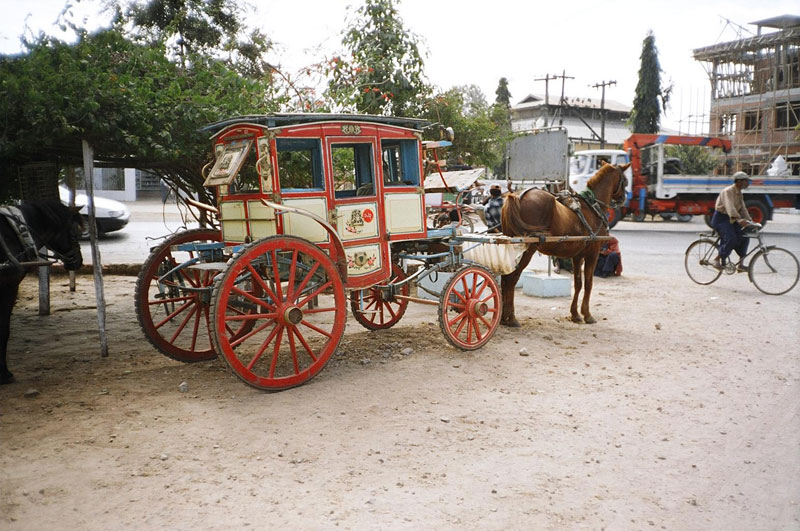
x,y
669,413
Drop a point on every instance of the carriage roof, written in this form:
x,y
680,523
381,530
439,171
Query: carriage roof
x,y
289,119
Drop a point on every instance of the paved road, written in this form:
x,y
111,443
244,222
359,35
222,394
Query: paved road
x,y
640,242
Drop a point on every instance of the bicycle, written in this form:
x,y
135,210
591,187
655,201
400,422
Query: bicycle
x,y
773,270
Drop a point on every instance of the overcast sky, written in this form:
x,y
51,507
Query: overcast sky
x,y
470,42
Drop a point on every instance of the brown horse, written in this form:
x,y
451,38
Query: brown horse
x,y
538,211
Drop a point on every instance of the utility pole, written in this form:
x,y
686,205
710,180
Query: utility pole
x,y
603,85
547,78
564,78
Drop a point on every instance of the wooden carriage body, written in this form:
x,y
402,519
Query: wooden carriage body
x,y
351,184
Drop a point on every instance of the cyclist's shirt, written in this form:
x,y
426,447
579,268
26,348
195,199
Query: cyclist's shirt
x,y
731,202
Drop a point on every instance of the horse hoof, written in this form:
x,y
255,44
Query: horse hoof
x,y
590,320
576,319
513,323
6,378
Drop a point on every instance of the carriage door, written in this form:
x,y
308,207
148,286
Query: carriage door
x,y
355,205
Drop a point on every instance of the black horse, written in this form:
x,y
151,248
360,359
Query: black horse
x,y
50,224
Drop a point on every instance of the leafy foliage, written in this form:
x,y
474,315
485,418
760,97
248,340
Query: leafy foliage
x,y
135,106
503,96
480,133
650,97
385,72
696,160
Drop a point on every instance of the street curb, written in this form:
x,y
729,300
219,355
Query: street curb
x,y
108,269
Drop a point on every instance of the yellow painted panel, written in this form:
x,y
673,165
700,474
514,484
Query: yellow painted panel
x,y
259,210
303,226
261,229
404,213
262,220
363,259
232,210
234,227
357,221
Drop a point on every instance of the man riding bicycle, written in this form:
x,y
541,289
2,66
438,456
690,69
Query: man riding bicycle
x,y
729,219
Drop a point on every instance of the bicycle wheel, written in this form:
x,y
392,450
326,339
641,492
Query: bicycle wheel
x,y
774,271
467,224
699,260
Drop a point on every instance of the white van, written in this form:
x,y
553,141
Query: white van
x,y
584,164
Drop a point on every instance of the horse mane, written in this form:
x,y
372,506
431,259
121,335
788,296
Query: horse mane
x,y
511,219
599,175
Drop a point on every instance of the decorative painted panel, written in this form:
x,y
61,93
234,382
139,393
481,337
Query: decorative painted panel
x,y
404,213
363,259
304,226
355,222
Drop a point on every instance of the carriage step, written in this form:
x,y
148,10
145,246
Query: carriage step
x,y
208,266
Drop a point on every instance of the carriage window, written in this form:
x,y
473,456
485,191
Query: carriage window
x,y
352,170
400,162
247,180
299,164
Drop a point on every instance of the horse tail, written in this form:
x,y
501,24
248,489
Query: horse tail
x,y
511,218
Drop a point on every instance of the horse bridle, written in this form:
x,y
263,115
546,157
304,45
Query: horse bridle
x,y
621,185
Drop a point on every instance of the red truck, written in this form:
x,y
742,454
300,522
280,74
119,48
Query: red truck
x,y
660,186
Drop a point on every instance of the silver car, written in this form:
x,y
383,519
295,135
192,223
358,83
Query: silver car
x,y
110,215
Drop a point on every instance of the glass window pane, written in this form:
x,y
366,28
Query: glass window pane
x,y
299,164
353,174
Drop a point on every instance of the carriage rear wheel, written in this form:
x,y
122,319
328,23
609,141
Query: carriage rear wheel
x,y
291,294
173,312
469,308
377,311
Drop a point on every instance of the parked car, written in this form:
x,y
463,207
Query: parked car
x,y
110,215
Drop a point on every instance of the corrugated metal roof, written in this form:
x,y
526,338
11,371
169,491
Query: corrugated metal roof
x,y
460,180
533,101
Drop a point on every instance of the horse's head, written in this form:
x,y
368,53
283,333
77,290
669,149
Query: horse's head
x,y
609,183
618,195
57,227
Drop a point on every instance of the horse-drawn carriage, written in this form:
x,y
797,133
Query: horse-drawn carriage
x,y
313,209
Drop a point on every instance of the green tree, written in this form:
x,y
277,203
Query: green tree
x,y
503,96
696,160
385,70
478,137
650,97
193,30
135,106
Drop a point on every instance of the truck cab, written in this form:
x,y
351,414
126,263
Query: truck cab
x,y
584,164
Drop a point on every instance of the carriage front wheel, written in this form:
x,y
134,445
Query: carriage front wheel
x,y
291,294
375,309
469,308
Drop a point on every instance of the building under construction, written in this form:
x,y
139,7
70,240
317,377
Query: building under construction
x,y
755,96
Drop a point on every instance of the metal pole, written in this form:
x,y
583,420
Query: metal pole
x,y
603,85
71,186
88,173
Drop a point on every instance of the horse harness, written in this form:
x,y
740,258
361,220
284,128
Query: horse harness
x,y
16,221
571,200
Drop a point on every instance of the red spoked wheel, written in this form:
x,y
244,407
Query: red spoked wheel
x,y
271,285
469,308
374,309
174,312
